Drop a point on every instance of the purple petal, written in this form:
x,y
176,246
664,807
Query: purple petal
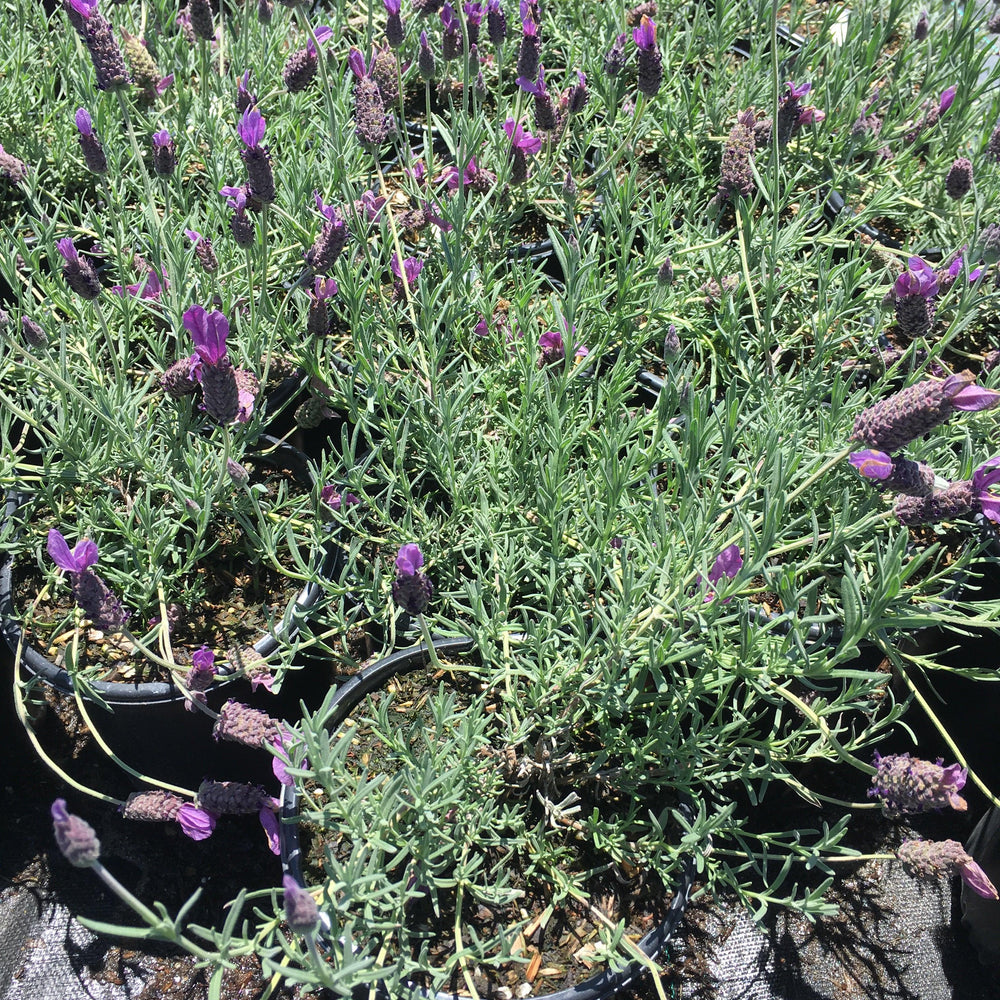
x,y
66,248
161,138
946,98
977,880
975,397
270,823
203,659
357,63
198,824
872,464
644,36
252,127
409,559
84,122
727,563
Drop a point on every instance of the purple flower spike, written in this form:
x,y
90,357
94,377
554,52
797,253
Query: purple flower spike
x,y
301,912
208,331
411,589
551,348
251,128
84,122
82,557
162,138
947,97
75,837
872,464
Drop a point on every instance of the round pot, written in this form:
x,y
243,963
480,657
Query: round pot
x,y
373,678
147,725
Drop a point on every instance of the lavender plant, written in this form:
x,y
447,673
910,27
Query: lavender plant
x,y
668,601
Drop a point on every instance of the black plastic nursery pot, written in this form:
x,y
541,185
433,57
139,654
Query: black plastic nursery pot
x,y
145,723
374,678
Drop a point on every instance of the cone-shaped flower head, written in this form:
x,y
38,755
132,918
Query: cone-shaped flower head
x,y
451,35
922,27
934,858
152,807
411,589
245,98
301,912
614,59
251,129
241,724
967,496
496,22
529,52
906,785
89,590
75,837
164,153
79,273
892,423
395,33
958,183
901,475
650,59
12,168
231,798
90,145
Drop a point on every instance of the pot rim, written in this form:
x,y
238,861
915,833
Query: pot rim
x,y
345,699
151,692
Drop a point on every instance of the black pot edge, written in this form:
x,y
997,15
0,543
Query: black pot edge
x,y
370,679
145,692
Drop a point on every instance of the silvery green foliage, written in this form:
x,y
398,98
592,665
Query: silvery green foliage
x,y
570,524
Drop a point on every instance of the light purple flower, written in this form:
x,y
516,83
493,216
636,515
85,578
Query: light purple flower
x,y
269,821
67,250
411,268
356,61
85,8
392,6
872,464
520,138
919,279
251,128
797,92
727,563
236,197
82,557
84,122
947,96
644,35
161,138
208,331
409,559
336,500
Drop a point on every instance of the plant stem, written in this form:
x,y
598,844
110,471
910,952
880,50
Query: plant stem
x,y
431,651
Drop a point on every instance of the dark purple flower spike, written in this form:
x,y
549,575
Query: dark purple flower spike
x,y
411,589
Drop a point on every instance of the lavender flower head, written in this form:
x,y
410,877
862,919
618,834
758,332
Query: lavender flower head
x,y
958,183
105,53
301,66
967,496
245,98
545,113
76,838
240,224
12,168
395,33
529,53
251,129
894,422
330,241
451,37
219,386
301,912
905,785
164,153
650,59
614,59
90,145
901,475
411,589
89,590
934,858
405,276
78,273
496,23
